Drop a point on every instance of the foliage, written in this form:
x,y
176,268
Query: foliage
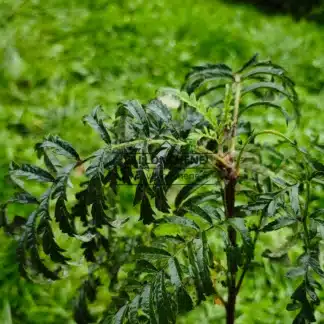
x,y
253,189
60,58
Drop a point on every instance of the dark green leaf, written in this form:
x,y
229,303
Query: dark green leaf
x,y
60,146
296,272
182,221
51,248
249,63
147,303
294,199
272,207
121,314
31,241
293,306
3,216
188,189
280,222
59,188
133,310
316,213
97,124
199,263
163,302
51,162
137,111
63,217
97,166
175,272
159,109
147,250
24,198
147,212
239,225
266,104
145,266
205,73
202,212
267,85
268,70
31,172
314,264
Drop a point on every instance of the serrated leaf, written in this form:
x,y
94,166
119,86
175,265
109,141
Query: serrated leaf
x,y
188,189
98,213
293,306
175,272
121,314
147,213
59,188
24,198
249,63
272,208
183,221
51,162
87,291
312,295
97,124
208,72
296,272
280,222
320,227
147,303
137,111
162,300
199,268
315,265
267,85
203,213
185,303
294,199
282,110
60,146
31,172
239,225
87,237
51,248
147,250
133,310
159,109
316,213
31,241
145,266
268,70
202,197
63,217
278,256
97,166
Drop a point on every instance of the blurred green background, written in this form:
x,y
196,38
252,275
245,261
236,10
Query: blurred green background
x,y
60,58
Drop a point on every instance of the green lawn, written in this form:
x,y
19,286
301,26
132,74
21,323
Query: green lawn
x,y
59,59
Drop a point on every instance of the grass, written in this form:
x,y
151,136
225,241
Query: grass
x,y
62,58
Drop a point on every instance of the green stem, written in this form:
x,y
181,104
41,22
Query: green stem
x,y
236,111
200,149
